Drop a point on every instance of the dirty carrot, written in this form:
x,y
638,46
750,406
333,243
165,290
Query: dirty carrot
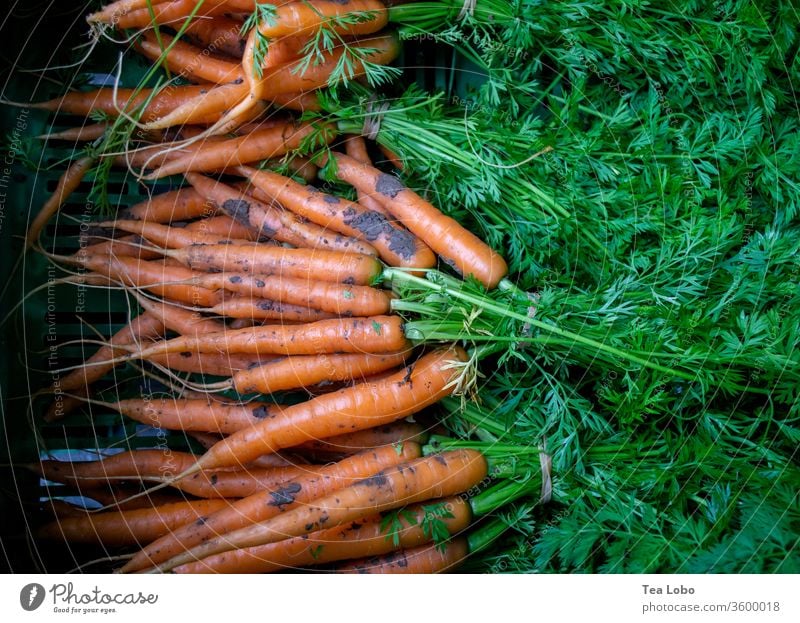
x,y
194,414
331,266
224,225
336,298
267,504
239,306
296,230
458,247
356,148
214,364
395,245
219,33
270,219
427,478
395,433
360,539
423,559
169,237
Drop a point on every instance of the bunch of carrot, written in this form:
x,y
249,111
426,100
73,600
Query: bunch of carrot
x,y
276,286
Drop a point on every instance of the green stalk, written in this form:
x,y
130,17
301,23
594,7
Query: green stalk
x,y
483,537
486,304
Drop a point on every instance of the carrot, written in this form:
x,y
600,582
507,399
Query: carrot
x,y
160,465
375,334
173,12
176,205
300,102
336,298
238,306
87,132
295,78
214,364
356,148
169,237
224,225
130,527
361,406
149,275
267,504
279,52
422,559
68,182
180,320
219,33
301,372
306,19
458,247
270,219
396,246
193,414
395,433
186,60
426,478
130,246
306,234
144,327
83,103
116,9
254,147
267,460
360,538
299,166
392,157
331,266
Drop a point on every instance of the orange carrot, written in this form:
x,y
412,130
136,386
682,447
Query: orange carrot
x,y
66,185
458,247
213,364
422,559
254,147
267,504
306,234
392,157
361,406
306,19
186,60
169,237
396,246
356,148
299,166
174,12
130,527
317,264
130,246
301,372
427,478
83,103
361,538
194,414
379,334
180,320
86,132
173,206
160,465
336,298
300,102
395,433
238,306
224,225
270,219
150,275
143,328
217,34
